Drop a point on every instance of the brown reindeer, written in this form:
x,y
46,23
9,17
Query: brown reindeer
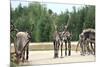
x,y
56,43
86,40
59,39
65,37
22,45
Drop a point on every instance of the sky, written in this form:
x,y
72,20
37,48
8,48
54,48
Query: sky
x,y
55,7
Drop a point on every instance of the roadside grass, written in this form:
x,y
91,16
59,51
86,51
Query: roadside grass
x,y
46,47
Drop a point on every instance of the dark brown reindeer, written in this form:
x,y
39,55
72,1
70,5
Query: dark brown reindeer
x,y
87,41
59,38
66,38
90,39
56,43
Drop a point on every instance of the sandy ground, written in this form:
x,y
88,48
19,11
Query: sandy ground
x,y
46,57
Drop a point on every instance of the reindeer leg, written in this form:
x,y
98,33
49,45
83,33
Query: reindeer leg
x,y
82,48
57,49
23,56
18,58
88,49
27,52
94,48
54,49
61,49
65,48
69,48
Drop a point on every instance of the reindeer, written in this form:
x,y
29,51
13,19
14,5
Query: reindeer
x,y
90,39
66,38
82,44
21,44
56,43
85,38
59,38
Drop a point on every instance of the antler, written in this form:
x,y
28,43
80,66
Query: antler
x,y
13,27
32,27
66,26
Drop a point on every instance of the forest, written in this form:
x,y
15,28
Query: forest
x,y
42,20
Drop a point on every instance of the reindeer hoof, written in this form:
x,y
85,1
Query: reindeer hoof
x,y
82,54
23,61
88,53
55,56
61,57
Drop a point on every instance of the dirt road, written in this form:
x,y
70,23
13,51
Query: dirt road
x,y
46,57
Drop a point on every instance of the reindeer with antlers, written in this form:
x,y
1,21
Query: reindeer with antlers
x,y
59,38
56,43
66,38
21,43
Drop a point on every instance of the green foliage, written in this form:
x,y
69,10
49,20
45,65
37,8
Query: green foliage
x,y
44,20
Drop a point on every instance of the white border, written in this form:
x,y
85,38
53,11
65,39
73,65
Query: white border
x,y
5,34
86,2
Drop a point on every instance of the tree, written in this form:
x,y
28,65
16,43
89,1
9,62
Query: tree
x,y
44,20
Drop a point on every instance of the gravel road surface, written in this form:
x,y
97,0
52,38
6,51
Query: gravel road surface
x,y
46,57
